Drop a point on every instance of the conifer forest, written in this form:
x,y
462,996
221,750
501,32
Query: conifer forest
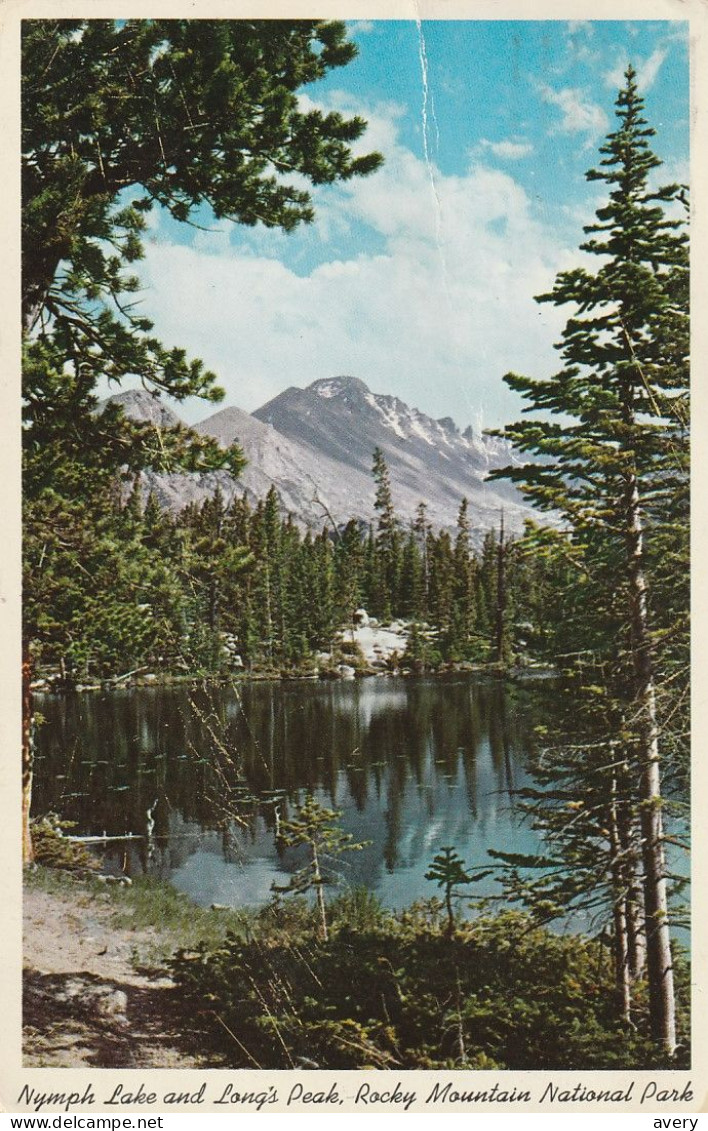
x,y
566,950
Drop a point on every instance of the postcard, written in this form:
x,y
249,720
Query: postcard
x,y
350,754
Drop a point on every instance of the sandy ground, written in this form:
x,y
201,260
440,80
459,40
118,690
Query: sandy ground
x,y
85,1004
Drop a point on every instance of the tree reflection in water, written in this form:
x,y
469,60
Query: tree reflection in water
x,y
414,763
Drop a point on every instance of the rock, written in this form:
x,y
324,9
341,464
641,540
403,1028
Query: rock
x,y
72,989
101,999
114,1004
361,617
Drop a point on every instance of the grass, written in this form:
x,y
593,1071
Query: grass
x,y
162,918
165,921
152,904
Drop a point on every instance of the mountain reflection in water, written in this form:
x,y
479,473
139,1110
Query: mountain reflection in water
x,y
414,764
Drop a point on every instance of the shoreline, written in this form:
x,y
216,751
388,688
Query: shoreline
x,y
511,672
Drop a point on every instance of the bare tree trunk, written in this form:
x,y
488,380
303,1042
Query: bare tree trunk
x,y
460,1035
320,893
450,912
630,842
662,1006
635,924
619,909
27,757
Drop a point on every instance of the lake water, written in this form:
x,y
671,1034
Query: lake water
x,y
203,775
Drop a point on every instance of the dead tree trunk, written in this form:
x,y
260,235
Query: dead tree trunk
x,y
630,841
319,887
619,911
662,1005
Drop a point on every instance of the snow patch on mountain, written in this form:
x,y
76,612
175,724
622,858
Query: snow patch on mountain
x,y
418,429
327,389
388,414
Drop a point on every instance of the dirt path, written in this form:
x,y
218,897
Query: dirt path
x,y
85,1004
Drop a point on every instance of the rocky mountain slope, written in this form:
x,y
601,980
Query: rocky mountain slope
x,y
315,445
428,459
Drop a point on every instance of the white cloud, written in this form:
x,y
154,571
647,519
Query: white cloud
x,y
579,113
507,150
360,27
436,314
676,171
647,70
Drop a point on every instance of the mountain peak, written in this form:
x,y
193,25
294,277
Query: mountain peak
x,y
144,407
316,446
329,387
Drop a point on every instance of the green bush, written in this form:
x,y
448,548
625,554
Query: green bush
x,y
359,909
349,652
500,993
53,849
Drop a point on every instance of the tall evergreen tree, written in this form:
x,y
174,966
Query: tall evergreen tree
x,y
118,116
464,581
615,468
349,572
213,564
500,610
388,539
411,587
442,584
423,533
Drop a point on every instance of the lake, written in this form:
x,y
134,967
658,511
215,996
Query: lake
x,y
203,775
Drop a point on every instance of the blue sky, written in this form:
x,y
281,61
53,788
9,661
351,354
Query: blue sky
x,y
420,279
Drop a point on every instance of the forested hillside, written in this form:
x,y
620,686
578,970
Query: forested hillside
x,y
216,589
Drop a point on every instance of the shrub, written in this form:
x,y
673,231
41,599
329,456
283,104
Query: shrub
x,y
55,850
501,993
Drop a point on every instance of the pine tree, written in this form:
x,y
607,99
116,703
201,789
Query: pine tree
x,y
315,828
449,871
294,641
324,608
388,538
179,111
349,573
500,610
423,531
411,587
617,470
213,565
463,616
118,116
442,586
